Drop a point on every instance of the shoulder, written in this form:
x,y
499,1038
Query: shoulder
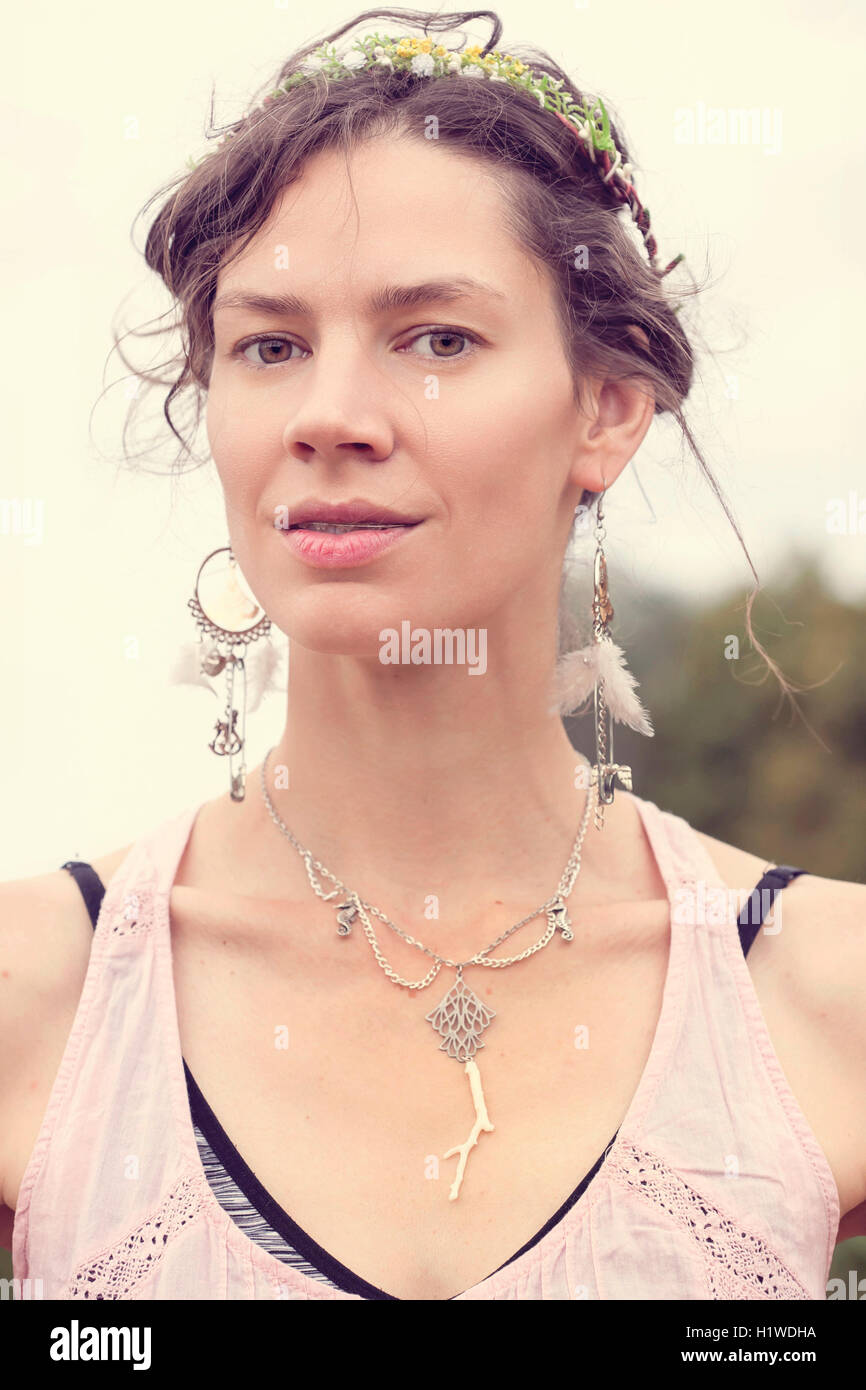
x,y
814,965
43,921
38,911
45,941
823,927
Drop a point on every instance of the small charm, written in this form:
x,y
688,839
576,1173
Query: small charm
x,y
346,914
226,739
212,660
559,919
460,1018
602,606
611,774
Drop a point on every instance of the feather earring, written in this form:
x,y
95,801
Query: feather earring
x,y
599,669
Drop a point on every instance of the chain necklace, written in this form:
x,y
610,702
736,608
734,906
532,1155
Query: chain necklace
x,y
460,1017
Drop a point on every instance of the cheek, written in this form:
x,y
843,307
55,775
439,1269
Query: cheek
x,y
238,453
510,464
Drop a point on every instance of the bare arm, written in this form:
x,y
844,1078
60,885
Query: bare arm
x,y
45,940
825,978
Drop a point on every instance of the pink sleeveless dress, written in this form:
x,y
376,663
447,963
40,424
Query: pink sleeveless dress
x,y
715,1186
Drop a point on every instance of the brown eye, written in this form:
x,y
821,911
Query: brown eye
x,y
446,342
264,346
451,342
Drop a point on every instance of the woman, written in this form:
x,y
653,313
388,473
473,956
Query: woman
x,y
246,1074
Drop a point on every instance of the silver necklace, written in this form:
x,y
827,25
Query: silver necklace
x,y
460,1017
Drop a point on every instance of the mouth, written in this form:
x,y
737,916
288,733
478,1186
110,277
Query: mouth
x,y
344,528
345,545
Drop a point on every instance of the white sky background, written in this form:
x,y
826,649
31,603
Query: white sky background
x,y
98,746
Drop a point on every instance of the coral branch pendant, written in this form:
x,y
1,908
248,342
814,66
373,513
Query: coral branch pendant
x,y
482,1122
460,1018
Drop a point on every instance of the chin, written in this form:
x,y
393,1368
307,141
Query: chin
x,y
337,623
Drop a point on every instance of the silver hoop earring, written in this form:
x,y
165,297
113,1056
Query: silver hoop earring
x,y
228,620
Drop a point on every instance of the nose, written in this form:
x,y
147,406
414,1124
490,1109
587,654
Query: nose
x,y
343,410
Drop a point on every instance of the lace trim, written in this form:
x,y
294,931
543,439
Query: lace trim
x,y
135,913
117,1271
738,1263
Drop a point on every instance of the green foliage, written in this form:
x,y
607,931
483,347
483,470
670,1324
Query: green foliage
x,y
729,755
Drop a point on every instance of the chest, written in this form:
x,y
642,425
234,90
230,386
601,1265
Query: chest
x,y
331,1083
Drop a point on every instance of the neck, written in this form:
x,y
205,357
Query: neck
x,y
412,781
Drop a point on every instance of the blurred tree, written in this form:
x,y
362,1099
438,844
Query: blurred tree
x,y
729,755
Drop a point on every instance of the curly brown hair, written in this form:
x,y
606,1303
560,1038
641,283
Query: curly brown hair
x,y
617,318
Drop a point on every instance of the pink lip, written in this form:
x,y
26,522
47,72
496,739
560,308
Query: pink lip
x,y
325,550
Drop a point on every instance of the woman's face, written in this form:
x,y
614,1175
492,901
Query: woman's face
x,y
472,431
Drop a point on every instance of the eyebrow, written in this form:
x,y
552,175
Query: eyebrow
x,y
384,300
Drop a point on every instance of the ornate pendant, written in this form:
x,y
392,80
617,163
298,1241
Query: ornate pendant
x,y
460,1018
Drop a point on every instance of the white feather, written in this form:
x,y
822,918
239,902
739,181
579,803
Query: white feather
x,y
261,664
185,669
577,674
574,680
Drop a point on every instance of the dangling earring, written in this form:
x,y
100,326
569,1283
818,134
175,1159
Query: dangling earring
x,y
600,669
228,620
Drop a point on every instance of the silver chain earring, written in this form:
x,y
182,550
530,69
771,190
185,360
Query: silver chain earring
x,y
599,669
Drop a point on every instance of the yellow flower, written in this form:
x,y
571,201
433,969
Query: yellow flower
x,y
440,51
424,45
473,50
519,67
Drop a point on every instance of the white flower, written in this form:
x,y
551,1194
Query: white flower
x,y
378,51
471,70
422,64
454,63
313,63
495,77
539,96
355,60
384,62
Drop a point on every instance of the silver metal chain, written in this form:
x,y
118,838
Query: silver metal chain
x,y
566,884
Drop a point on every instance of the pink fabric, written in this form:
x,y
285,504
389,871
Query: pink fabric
x,y
715,1186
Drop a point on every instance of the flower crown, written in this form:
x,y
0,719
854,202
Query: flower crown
x,y
588,120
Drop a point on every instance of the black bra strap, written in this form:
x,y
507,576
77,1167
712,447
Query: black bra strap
x,y
91,885
761,897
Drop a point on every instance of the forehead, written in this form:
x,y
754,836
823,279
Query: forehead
x,y
390,208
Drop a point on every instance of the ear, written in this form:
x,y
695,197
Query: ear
x,y
610,431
